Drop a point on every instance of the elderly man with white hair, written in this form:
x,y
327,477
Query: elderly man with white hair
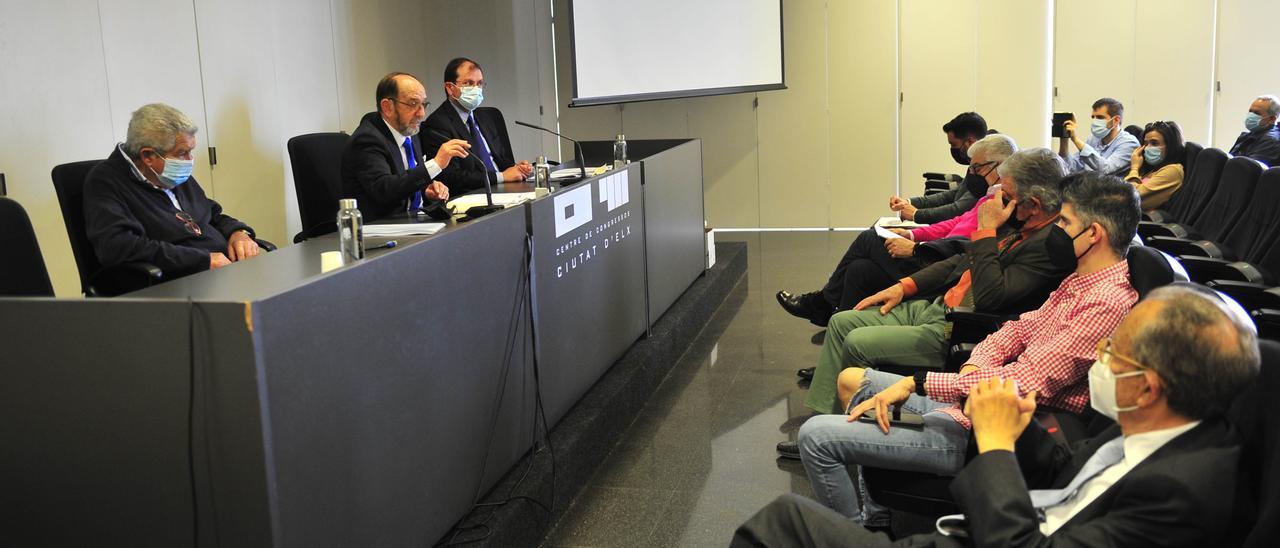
x,y
142,204
1261,138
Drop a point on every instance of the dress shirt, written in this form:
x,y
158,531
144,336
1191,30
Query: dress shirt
x,y
430,164
1050,349
1136,449
137,174
1104,158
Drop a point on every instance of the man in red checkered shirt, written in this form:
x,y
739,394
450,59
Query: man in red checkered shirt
x,y
1047,351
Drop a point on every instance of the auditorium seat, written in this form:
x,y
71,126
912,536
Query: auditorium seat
x,y
22,269
1185,204
1252,240
1257,512
1222,212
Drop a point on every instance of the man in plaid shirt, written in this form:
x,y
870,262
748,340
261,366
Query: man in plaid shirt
x,y
1048,351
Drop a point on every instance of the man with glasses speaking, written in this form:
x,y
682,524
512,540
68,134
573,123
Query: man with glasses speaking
x,y
462,117
142,204
384,167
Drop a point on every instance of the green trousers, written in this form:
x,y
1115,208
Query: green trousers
x,y
910,335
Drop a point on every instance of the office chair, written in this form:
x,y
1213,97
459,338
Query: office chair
x,y
1234,191
1185,205
22,269
316,159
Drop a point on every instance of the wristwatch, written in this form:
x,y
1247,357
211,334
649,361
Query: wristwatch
x,y
920,377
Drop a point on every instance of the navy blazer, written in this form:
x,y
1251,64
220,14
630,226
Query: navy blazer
x,y
373,172
467,174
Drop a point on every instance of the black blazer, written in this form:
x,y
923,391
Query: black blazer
x,y
467,174
374,174
1181,495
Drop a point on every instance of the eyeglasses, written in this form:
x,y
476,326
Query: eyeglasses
x,y
413,105
975,167
1105,353
189,222
468,83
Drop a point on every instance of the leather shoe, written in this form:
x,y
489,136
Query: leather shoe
x,y
806,373
789,450
810,306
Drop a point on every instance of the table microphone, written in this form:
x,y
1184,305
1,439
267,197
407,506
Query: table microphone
x,y
476,212
577,147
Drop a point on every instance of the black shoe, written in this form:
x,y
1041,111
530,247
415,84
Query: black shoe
x,y
789,450
806,373
810,306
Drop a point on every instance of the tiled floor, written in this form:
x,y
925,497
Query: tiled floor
x,y
699,458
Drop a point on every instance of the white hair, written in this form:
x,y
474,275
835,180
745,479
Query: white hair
x,y
156,126
995,147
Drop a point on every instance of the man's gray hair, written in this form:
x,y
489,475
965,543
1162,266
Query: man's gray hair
x,y
157,126
1273,106
1107,200
1036,172
995,147
1203,351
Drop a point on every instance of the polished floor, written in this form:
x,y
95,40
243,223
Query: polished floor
x,y
699,458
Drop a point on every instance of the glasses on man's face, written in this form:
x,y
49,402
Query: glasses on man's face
x,y
989,166
1106,353
415,105
469,83
189,223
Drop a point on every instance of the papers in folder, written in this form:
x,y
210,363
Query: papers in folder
x,y
504,199
402,229
572,172
894,222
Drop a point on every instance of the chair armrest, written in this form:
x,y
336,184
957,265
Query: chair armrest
x,y
1251,296
1268,322
1184,246
1158,216
265,245
971,326
123,278
1147,229
936,184
1204,269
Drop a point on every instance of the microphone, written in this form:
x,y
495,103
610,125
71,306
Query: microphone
x,y
476,212
577,147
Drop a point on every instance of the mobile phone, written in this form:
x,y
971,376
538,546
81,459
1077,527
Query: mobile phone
x,y
1060,118
897,418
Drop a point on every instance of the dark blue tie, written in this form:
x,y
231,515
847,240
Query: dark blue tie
x,y
478,146
415,203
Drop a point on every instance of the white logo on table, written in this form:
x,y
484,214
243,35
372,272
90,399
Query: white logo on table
x,y
573,209
616,190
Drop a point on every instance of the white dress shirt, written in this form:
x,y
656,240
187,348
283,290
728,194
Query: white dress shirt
x,y
432,168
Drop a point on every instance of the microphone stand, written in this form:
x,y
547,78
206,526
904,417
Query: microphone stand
x,y
476,212
577,147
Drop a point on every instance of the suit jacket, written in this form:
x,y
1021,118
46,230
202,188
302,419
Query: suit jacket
x,y
944,205
1017,280
467,174
1262,144
1181,495
373,172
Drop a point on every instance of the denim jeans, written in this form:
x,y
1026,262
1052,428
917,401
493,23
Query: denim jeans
x,y
829,444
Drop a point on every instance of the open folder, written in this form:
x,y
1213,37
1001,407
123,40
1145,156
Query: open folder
x,y
402,229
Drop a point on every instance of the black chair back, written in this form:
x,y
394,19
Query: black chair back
x,y
1257,232
68,181
22,270
1150,268
1190,153
317,177
1257,511
1197,187
1235,189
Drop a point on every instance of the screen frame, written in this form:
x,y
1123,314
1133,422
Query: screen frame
x,y
575,101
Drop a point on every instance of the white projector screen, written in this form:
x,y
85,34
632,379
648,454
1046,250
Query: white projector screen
x,y
641,50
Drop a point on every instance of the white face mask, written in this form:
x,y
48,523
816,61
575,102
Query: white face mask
x,y
1102,390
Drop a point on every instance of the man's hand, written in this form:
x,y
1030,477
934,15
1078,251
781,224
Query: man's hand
x,y
893,395
239,247
998,414
903,232
513,174
1135,161
1069,129
453,148
908,212
218,260
900,248
896,203
436,191
994,212
526,168
889,298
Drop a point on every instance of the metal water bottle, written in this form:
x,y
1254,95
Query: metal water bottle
x,y
350,231
620,152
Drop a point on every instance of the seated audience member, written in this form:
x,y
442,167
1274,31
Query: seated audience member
x,y
1047,351
1261,137
962,132
461,117
1156,167
1163,476
1108,148
142,204
1004,270
871,263
383,167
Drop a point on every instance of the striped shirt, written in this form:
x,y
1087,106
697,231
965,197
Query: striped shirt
x,y
1048,350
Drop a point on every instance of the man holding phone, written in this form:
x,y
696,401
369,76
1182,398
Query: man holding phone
x,y
1108,147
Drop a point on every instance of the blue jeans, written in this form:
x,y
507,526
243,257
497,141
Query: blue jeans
x,y
829,444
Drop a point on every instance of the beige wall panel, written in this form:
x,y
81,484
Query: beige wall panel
x,y
1246,64
862,72
56,111
1173,79
372,38
938,80
1013,41
1093,56
667,119
730,158
794,126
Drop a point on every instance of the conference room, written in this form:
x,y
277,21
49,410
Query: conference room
x,y
600,273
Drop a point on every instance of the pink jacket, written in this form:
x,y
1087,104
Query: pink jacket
x,y
960,225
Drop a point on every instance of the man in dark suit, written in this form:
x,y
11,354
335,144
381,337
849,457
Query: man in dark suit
x,y
384,167
1163,476
461,117
1261,138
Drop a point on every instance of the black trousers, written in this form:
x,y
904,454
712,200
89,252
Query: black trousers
x,y
865,269
793,520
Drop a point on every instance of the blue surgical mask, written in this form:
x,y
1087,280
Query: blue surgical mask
x,y
1251,121
176,171
1099,127
470,97
1153,155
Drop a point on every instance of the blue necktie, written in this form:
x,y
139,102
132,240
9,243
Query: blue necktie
x,y
478,146
415,202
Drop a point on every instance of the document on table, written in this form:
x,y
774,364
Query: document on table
x,y
402,229
884,233
895,222
571,172
504,199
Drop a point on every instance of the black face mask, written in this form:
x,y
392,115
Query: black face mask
x,y
976,185
1062,249
960,156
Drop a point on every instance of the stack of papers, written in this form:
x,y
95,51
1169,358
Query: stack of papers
x,y
894,222
571,172
402,229
505,199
